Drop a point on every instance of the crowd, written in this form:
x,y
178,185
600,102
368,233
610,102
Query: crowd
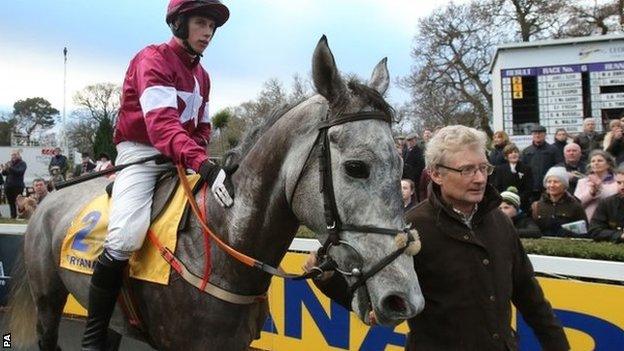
x,y
570,188
23,200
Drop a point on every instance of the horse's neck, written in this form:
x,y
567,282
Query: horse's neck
x,y
261,223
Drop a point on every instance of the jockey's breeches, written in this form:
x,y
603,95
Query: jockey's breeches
x,y
131,203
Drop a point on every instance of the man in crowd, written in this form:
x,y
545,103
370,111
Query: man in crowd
x,y
86,166
414,161
589,139
573,164
26,205
472,265
561,140
426,136
14,183
540,156
58,163
607,223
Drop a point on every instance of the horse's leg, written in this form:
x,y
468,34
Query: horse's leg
x,y
50,305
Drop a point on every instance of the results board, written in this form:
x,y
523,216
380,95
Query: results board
x,y
561,96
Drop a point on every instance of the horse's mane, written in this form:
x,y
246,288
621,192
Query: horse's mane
x,y
253,133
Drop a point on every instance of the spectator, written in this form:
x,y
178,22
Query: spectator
x,y
414,161
561,140
14,185
588,139
514,173
423,185
599,183
607,224
557,206
500,139
60,162
86,166
472,265
26,205
426,136
511,207
103,162
573,164
608,138
539,156
408,192
616,144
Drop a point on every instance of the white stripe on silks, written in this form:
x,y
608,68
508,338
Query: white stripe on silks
x,y
206,116
158,96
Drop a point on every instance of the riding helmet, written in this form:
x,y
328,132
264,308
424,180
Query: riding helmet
x,y
209,8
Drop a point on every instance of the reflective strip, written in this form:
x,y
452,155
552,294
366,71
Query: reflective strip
x,y
158,96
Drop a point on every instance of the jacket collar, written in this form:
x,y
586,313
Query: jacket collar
x,y
491,200
564,199
188,61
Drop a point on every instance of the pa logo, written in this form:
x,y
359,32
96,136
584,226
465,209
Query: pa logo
x,y
6,341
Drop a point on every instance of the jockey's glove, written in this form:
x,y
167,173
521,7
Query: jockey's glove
x,y
220,182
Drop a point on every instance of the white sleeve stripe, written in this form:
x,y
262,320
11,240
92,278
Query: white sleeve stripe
x,y
158,96
206,116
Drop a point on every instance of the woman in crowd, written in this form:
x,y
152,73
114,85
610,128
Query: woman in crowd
x,y
613,125
511,207
514,173
556,206
599,183
500,139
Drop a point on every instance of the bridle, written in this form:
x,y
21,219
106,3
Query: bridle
x,y
334,224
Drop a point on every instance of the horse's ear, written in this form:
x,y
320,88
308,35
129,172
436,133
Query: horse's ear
x,y
380,79
327,80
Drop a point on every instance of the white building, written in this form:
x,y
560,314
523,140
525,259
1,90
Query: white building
x,y
557,83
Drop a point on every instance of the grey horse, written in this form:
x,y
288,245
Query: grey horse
x,y
277,190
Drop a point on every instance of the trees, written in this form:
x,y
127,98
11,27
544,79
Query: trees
x,y
7,123
101,100
103,140
98,107
219,122
33,113
450,76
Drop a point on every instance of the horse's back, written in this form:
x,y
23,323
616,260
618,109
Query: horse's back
x,y
50,221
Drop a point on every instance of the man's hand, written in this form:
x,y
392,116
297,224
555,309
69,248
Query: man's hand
x,y
219,181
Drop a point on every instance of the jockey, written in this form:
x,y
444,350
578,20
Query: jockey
x,y
164,110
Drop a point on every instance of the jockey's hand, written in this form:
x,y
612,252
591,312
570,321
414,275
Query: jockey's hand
x,y
220,182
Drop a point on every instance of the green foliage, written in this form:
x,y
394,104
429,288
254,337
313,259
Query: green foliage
x,y
562,247
32,113
103,141
578,248
220,119
7,123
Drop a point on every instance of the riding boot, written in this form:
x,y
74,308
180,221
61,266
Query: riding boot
x,y
103,291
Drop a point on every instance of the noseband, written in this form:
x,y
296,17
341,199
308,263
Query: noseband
x,y
334,224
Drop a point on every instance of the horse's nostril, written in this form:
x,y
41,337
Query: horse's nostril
x,y
394,303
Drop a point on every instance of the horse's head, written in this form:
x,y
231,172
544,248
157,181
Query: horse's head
x,y
361,193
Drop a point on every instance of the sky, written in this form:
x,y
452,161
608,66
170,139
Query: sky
x,y
263,39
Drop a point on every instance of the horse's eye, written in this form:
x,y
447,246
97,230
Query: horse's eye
x,y
357,169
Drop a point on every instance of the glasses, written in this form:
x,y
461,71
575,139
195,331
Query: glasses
x,y
471,171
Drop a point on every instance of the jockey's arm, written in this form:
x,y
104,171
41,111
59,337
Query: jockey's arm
x,y
160,107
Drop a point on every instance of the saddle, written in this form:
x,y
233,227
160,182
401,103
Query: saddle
x,y
85,237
